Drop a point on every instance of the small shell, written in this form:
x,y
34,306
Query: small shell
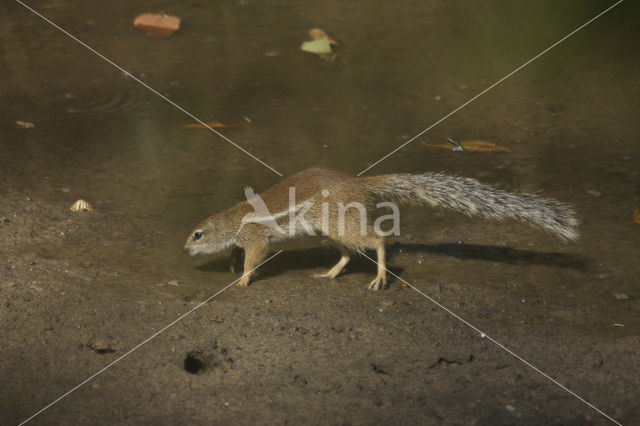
x,y
81,205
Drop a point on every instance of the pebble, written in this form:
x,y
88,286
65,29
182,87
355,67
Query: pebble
x,y
510,407
594,193
173,282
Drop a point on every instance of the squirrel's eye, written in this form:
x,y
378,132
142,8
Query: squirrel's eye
x,y
197,235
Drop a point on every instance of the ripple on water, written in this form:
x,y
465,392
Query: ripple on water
x,y
113,102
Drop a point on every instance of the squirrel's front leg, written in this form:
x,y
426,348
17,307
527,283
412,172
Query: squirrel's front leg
x,y
253,255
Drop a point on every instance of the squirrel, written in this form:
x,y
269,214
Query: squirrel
x,y
328,202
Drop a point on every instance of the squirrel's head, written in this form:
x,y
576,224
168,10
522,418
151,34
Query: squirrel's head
x,y
206,238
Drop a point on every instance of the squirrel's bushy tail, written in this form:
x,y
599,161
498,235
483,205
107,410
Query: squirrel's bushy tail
x,y
471,197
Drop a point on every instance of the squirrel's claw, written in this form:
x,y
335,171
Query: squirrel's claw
x,y
379,283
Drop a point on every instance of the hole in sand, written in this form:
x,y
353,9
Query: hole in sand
x,y
194,363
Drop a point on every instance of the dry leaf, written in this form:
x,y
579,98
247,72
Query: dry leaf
x,y
317,34
636,216
472,146
25,124
483,146
157,24
212,124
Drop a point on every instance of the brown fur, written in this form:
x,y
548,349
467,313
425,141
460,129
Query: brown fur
x,y
225,229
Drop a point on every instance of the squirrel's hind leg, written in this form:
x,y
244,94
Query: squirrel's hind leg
x,y
381,279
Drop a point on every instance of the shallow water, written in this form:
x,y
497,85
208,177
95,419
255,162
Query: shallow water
x,y
570,120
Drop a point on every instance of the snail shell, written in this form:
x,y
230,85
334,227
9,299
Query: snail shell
x,y
81,205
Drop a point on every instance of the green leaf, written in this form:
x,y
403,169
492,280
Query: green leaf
x,y
320,46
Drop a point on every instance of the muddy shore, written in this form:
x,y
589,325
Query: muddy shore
x,y
295,349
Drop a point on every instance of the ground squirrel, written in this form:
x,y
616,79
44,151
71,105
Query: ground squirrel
x,y
326,202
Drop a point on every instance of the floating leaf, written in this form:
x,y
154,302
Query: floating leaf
x,y
636,216
157,24
25,124
483,146
472,146
318,34
319,47
212,124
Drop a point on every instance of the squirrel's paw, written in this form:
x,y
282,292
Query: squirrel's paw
x,y
379,283
244,281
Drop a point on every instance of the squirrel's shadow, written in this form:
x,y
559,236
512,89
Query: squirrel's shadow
x,y
297,259
494,254
323,257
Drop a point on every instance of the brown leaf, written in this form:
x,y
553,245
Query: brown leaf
x,y
157,24
317,34
483,146
25,124
212,124
636,216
